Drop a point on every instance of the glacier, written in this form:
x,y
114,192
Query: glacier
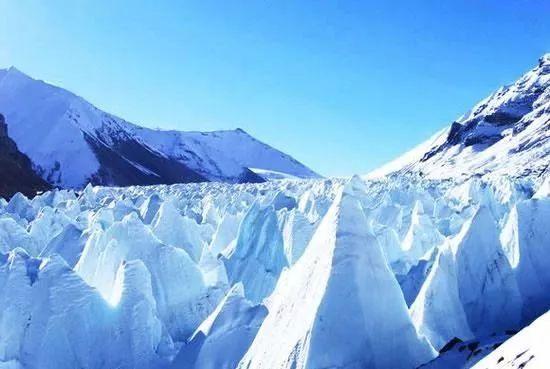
x,y
435,261
283,274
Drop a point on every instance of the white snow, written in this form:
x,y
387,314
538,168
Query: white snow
x,y
51,126
527,349
522,146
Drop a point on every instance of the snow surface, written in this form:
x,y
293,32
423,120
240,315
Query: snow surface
x,y
527,349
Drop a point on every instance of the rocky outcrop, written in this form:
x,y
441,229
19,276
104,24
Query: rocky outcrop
x,y
506,134
16,172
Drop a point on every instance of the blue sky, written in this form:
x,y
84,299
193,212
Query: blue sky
x,y
343,86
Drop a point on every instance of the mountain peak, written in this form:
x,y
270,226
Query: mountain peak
x,y
14,75
505,134
72,143
15,71
544,60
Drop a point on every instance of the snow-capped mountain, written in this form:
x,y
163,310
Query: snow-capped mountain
x,y
527,349
71,143
508,133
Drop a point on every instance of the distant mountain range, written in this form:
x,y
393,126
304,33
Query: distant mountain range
x,y
70,143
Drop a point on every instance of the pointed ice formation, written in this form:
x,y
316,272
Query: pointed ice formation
x,y
145,336
414,279
225,233
471,290
121,208
21,206
13,235
225,335
437,311
213,270
179,288
48,224
258,256
50,318
339,306
389,242
486,284
68,244
149,208
526,240
311,265
177,230
296,232
422,236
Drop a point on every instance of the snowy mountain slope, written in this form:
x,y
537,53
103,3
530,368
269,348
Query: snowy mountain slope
x,y
508,133
458,354
527,349
222,154
71,143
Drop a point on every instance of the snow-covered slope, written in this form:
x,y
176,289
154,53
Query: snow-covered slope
x,y
71,143
527,349
505,134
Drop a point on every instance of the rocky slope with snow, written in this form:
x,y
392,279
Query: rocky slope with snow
x,y
527,349
506,134
71,143
17,172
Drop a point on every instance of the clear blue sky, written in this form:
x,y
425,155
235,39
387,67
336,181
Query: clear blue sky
x,y
343,86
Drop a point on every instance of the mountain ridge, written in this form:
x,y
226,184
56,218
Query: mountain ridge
x,y
72,142
503,134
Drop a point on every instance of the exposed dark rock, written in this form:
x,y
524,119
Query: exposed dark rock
x,y
117,165
472,346
249,176
502,118
481,140
449,345
506,114
16,171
